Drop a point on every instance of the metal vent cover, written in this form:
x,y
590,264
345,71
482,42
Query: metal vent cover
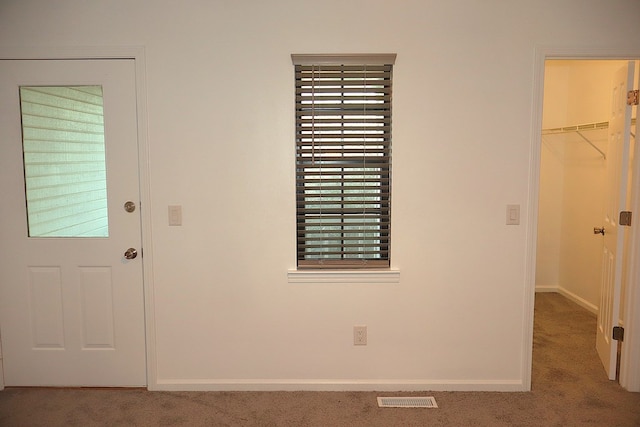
x,y
407,402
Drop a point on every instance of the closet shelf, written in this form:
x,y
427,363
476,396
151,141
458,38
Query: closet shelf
x,y
578,128
584,128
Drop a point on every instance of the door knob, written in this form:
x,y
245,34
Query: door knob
x,y
129,206
597,230
130,253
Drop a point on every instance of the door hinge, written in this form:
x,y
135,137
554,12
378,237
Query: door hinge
x,y
632,97
618,333
625,218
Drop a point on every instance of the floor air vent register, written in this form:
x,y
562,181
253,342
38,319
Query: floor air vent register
x,y
407,402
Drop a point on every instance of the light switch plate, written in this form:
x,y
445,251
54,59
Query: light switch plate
x,y
175,215
513,214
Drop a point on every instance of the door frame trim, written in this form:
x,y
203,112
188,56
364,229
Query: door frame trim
x,y
630,361
138,55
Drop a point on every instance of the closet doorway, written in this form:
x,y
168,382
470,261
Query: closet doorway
x,y
576,111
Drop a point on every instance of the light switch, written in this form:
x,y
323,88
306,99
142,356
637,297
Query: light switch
x,y
175,215
513,214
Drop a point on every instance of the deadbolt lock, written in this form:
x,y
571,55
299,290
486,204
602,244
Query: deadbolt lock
x,y
129,206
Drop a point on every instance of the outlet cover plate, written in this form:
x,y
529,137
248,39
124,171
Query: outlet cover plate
x,y
360,335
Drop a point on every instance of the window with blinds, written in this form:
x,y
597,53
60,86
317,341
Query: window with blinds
x,y
343,160
64,161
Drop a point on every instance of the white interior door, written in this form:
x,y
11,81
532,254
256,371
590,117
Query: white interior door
x,y
617,183
71,302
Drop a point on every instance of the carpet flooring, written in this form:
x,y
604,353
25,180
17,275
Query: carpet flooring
x,y
569,388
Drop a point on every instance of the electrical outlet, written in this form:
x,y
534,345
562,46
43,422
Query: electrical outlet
x,y
359,335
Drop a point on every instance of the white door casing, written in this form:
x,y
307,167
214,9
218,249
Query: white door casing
x,y
629,366
72,309
617,184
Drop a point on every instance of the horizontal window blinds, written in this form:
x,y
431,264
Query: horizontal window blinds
x,y
343,161
64,161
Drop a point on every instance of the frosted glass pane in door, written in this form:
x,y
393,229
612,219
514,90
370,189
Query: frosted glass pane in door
x,y
64,161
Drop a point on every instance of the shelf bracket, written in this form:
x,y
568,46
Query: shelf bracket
x,y
604,156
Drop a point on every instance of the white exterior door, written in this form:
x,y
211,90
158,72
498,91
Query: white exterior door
x,y
71,302
617,184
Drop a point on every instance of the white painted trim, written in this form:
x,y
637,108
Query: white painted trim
x,y
1,369
532,219
630,375
338,385
630,363
569,295
579,52
137,53
578,300
343,276
343,59
546,288
145,216
72,52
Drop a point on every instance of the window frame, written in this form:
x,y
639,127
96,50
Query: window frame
x,y
374,243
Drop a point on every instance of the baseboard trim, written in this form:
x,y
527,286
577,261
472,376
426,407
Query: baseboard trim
x,y
578,300
546,288
569,295
338,385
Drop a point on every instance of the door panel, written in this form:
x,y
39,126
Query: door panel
x,y
71,304
617,183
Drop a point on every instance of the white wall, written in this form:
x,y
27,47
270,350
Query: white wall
x,y
554,111
220,126
572,191
549,216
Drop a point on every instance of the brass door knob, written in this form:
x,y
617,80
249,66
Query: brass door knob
x,y
130,253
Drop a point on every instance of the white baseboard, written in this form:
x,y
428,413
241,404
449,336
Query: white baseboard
x,y
578,300
1,370
338,385
547,288
570,295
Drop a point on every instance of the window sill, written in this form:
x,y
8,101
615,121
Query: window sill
x,y
343,276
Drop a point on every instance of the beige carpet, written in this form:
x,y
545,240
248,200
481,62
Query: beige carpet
x,y
569,389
